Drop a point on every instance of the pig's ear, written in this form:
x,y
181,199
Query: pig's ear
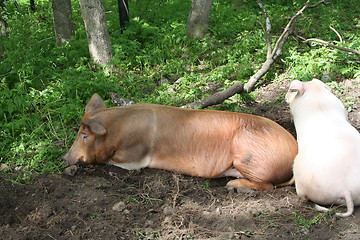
x,y
296,89
94,103
94,125
290,95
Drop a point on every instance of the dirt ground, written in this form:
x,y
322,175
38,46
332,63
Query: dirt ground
x,y
106,202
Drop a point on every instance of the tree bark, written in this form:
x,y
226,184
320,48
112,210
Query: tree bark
x,y
3,27
93,12
63,26
198,22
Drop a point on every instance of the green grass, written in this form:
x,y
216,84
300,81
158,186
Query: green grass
x,y
302,221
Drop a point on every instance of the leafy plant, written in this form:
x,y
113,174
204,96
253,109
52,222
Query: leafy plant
x,y
321,217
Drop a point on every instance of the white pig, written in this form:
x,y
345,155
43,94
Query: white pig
x,y
327,167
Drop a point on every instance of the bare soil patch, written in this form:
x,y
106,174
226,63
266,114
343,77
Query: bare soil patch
x,y
105,202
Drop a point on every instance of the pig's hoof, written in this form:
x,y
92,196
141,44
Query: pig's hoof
x,y
71,170
248,184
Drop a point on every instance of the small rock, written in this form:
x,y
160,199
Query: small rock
x,y
170,90
168,210
126,211
71,170
304,231
73,228
149,223
206,213
167,219
120,206
217,211
326,78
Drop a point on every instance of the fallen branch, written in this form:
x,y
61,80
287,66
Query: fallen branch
x,y
218,97
328,44
272,55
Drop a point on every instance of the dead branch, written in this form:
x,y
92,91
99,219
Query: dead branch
x,y
317,4
272,55
217,97
337,33
276,52
328,44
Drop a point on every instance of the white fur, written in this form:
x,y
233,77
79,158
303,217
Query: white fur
x,y
327,167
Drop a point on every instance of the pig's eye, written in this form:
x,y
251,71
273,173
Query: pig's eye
x,y
84,136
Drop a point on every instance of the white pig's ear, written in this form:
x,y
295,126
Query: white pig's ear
x,y
296,89
95,103
291,94
94,125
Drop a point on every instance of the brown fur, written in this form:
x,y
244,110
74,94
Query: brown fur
x,y
203,143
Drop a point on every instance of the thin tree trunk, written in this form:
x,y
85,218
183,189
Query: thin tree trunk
x,y
32,5
93,12
64,28
198,22
123,13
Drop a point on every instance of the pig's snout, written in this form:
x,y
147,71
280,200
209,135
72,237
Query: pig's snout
x,y
70,160
66,159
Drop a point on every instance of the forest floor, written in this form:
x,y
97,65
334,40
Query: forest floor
x,y
106,202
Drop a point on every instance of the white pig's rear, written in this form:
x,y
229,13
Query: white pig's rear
x,y
327,167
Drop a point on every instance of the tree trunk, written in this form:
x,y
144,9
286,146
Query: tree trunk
x,y
64,28
123,13
93,12
198,22
32,5
3,27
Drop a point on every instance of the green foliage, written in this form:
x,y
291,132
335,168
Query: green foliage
x,y
44,87
321,217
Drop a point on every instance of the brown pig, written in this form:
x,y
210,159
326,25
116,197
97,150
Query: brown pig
x,y
327,167
203,143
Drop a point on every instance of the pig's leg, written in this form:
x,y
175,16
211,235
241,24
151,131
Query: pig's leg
x,y
246,183
288,183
